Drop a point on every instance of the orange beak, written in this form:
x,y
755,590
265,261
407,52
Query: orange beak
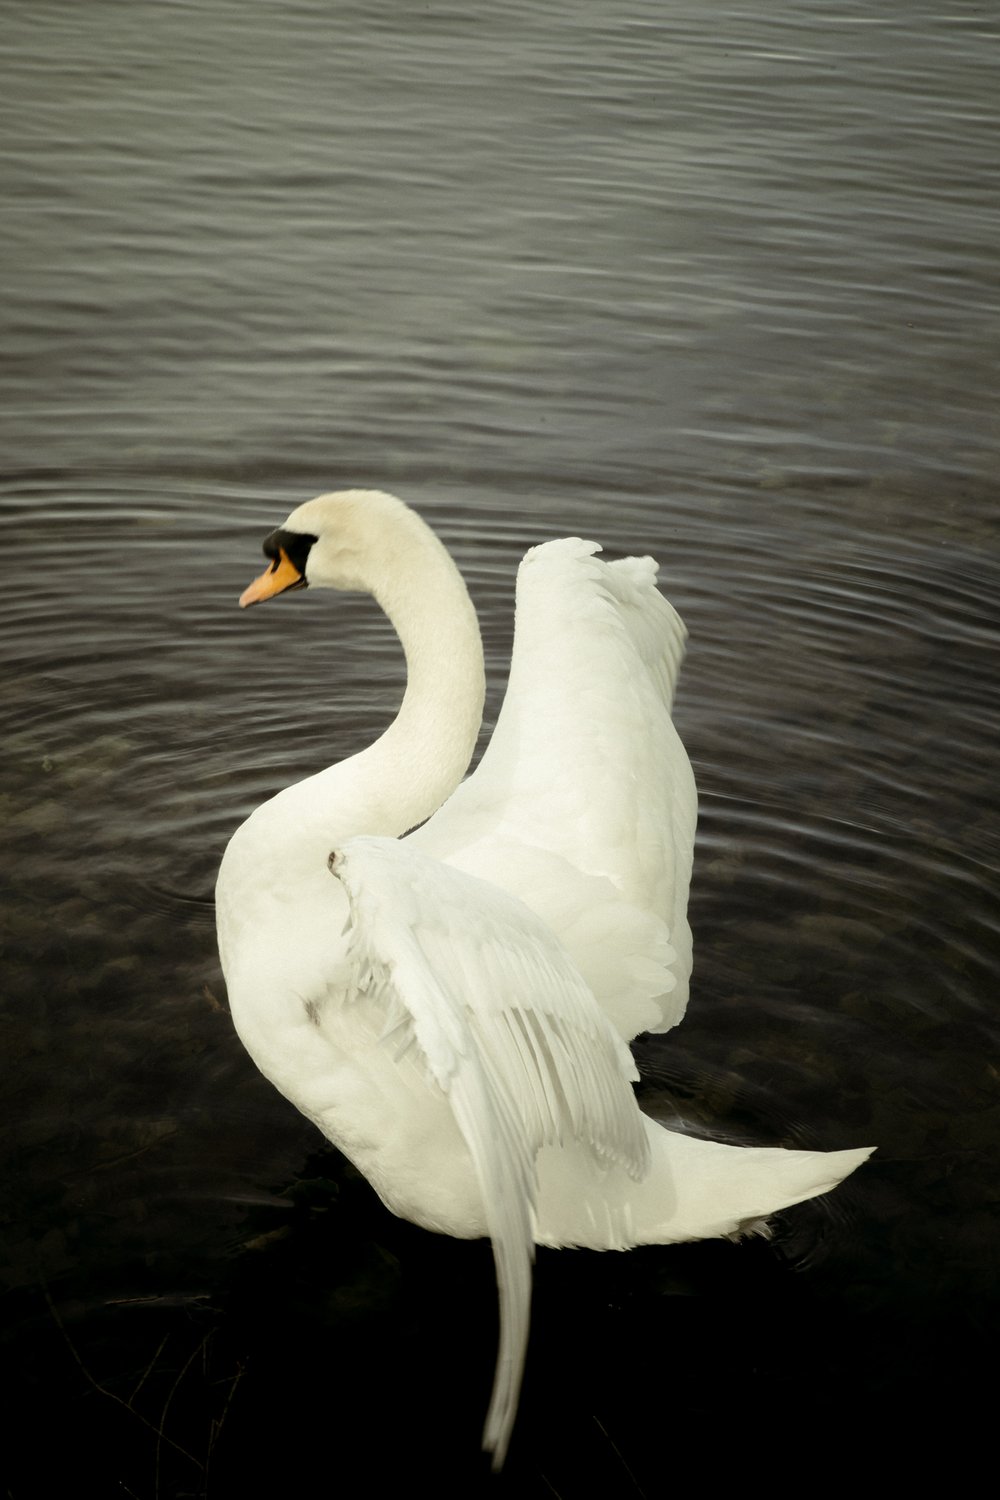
x,y
280,576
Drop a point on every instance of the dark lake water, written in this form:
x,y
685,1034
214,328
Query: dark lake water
x,y
700,281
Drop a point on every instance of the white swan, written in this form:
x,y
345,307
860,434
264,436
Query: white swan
x,y
453,1010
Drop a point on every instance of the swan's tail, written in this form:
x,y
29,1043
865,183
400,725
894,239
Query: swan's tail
x,y
694,1190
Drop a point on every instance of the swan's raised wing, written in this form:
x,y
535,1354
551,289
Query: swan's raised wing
x,y
482,990
584,802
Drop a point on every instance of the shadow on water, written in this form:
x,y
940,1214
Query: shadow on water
x,y
338,1341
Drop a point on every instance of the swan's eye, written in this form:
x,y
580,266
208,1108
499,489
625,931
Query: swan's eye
x,y
292,545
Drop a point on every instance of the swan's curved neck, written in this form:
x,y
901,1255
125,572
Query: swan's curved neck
x,y
423,755
420,759
275,866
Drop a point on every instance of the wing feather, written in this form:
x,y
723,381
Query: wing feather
x,y
585,771
509,1030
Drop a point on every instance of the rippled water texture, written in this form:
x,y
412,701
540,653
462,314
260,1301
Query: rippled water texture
x,y
718,283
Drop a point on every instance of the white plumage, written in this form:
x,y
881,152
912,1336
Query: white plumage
x,y
453,1009
506,1027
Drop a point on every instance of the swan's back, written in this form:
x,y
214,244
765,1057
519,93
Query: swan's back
x,y
584,803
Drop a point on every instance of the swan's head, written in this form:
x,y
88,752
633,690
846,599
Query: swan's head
x,y
354,539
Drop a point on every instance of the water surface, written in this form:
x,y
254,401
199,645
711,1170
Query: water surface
x,y
723,289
